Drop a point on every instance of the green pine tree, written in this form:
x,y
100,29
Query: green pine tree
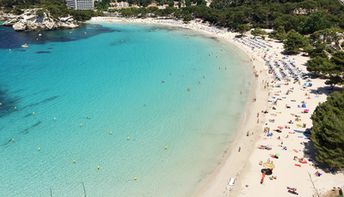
x,y
294,42
328,131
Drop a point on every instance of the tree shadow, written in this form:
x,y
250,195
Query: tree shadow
x,y
326,90
310,154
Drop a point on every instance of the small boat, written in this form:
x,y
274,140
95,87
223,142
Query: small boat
x,y
25,45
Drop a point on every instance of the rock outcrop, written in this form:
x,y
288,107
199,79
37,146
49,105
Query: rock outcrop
x,y
19,26
37,19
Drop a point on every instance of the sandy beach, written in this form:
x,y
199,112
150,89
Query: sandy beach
x,y
273,130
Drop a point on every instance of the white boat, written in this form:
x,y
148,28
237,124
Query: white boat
x,y
25,45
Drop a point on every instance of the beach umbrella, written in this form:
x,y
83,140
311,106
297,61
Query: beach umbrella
x,y
265,172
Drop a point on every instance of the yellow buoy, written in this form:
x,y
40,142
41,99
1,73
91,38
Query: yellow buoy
x,y
166,147
135,178
98,167
128,138
74,161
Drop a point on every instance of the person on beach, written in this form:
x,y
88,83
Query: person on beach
x,y
292,190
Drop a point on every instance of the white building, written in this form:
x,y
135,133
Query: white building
x,y
80,4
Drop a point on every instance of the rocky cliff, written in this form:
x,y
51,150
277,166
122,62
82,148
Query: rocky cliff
x,y
37,19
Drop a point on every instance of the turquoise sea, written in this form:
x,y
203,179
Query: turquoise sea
x,y
115,109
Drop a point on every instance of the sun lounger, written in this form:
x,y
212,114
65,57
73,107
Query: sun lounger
x,y
230,184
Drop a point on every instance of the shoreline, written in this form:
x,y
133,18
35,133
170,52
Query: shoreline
x,y
240,158
234,161
214,184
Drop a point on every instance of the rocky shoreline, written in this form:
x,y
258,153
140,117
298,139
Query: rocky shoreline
x,y
37,19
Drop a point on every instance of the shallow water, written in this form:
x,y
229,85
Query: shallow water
x,y
123,110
